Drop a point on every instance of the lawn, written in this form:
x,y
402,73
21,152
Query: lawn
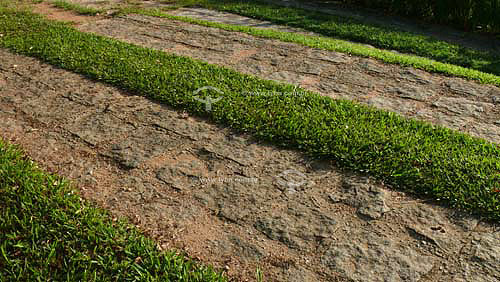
x,y
321,42
356,30
414,156
47,233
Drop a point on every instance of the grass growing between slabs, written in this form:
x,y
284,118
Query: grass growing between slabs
x,y
417,157
331,44
48,234
385,37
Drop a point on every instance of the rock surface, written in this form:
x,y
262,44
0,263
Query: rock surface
x,y
227,199
451,102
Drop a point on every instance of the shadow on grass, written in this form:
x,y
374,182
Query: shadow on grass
x,y
380,36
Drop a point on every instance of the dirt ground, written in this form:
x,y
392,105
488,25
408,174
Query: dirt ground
x,y
232,201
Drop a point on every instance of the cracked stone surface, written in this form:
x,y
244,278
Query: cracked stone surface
x,y
451,102
225,198
367,198
371,257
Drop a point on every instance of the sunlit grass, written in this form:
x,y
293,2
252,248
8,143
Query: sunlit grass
x,y
418,157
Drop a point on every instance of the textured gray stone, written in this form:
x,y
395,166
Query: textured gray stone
x,y
485,249
461,106
369,257
97,128
297,227
336,58
372,67
182,174
415,93
479,260
495,95
141,146
414,76
369,199
461,87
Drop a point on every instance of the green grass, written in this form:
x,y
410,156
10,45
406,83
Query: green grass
x,y
418,157
331,44
327,43
385,37
75,7
47,233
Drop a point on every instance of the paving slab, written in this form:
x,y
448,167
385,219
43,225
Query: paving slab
x,y
447,101
228,199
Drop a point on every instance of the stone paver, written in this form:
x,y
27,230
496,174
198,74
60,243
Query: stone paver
x,y
451,102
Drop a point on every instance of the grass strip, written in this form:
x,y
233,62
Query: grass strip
x,y
47,233
380,36
417,157
327,43
83,10
342,46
